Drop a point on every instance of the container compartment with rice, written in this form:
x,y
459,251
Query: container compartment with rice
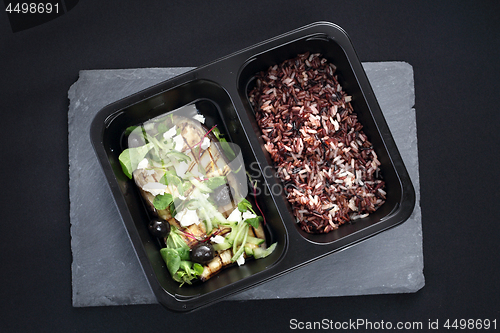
x,y
329,169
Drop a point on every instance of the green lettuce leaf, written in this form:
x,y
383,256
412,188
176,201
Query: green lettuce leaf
x,y
254,221
162,201
198,268
244,205
172,259
131,157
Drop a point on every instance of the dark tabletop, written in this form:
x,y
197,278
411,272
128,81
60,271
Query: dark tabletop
x,y
454,48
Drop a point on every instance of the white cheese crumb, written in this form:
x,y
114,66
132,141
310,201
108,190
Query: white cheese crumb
x,y
235,216
218,239
155,188
205,144
181,168
240,260
248,215
187,217
170,133
143,164
200,118
179,142
182,197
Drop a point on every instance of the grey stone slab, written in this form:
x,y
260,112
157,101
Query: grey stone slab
x,y
105,270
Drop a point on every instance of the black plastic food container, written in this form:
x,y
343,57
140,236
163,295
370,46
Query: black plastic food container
x,y
219,90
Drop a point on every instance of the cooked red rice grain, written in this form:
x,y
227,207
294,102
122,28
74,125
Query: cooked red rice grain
x,y
317,143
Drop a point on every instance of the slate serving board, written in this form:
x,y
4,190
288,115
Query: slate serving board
x,y
105,269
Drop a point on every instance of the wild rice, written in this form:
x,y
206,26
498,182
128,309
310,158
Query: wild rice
x,y
317,144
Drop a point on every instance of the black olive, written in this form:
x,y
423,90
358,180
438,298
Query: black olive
x,y
221,195
159,228
202,253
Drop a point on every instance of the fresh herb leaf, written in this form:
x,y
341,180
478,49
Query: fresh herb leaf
x,y
186,267
198,269
180,277
224,144
130,158
183,253
172,259
214,182
244,205
129,130
175,240
254,221
162,201
187,272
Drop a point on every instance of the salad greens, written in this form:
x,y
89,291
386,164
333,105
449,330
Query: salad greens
x,y
163,201
130,158
183,191
224,144
176,256
244,205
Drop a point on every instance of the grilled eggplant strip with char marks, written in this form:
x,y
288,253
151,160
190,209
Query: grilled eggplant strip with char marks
x,y
220,261
211,159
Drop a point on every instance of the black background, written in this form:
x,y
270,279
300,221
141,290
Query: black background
x,y
454,48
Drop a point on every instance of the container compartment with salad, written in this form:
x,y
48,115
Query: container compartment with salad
x,y
194,184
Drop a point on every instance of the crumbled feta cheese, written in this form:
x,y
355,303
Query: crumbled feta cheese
x,y
248,215
143,164
235,216
155,188
170,133
205,144
218,239
187,217
180,168
200,118
240,260
179,142
182,197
